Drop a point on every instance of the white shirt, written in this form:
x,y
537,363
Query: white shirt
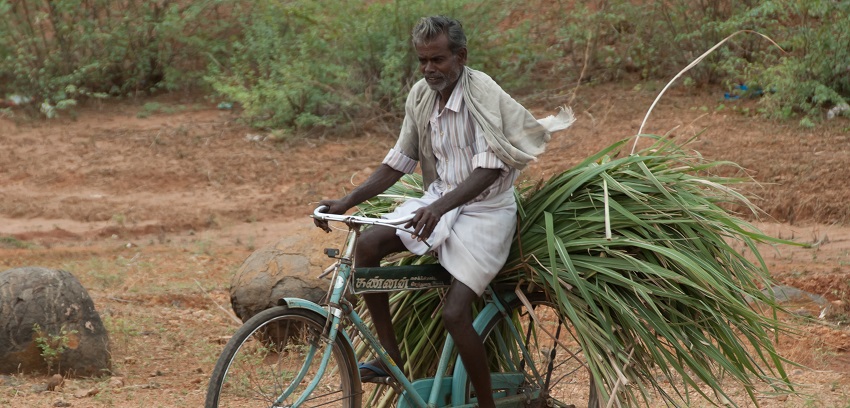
x,y
459,147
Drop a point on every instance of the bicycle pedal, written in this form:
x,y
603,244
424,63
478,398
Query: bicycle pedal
x,y
380,380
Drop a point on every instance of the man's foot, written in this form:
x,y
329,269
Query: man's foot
x,y
372,370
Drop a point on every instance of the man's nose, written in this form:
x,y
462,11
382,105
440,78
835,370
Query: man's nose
x,y
428,67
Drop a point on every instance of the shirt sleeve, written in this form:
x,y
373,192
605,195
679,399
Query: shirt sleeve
x,y
408,137
398,161
484,156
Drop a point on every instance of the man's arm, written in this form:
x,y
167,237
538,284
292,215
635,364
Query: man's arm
x,y
378,182
426,218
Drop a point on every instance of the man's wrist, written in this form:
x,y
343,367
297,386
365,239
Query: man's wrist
x,y
439,207
347,202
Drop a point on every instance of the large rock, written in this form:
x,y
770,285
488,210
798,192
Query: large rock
x,y
288,268
60,306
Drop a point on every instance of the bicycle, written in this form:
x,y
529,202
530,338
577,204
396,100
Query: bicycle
x,y
296,355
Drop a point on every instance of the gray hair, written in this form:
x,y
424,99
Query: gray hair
x,y
430,28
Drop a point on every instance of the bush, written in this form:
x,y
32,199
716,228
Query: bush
x,y
283,67
302,64
814,75
58,51
612,39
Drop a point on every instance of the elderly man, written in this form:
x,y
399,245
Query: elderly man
x,y
471,139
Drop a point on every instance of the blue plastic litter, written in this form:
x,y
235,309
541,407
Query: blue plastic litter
x,y
742,90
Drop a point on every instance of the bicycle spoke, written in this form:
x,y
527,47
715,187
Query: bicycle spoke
x,y
552,350
272,362
325,403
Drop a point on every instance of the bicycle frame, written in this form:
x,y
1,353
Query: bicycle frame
x,y
338,308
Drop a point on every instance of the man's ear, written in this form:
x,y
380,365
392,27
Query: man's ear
x,y
461,55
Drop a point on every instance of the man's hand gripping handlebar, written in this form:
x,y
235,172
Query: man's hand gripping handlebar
x,y
321,219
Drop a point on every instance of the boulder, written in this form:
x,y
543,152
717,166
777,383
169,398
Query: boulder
x,y
287,268
51,307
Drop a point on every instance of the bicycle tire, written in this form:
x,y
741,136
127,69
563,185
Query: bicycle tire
x,y
566,379
266,354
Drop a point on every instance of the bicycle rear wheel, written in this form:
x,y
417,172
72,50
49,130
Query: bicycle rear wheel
x,y
554,350
278,352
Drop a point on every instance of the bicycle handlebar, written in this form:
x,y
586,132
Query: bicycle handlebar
x,y
318,214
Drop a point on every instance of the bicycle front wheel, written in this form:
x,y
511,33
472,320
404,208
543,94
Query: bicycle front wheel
x,y
274,356
554,369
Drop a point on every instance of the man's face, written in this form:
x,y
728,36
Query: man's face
x,y
439,66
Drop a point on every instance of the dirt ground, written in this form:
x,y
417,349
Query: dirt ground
x,y
153,204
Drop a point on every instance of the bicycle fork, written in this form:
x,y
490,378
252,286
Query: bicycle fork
x,y
319,343
335,317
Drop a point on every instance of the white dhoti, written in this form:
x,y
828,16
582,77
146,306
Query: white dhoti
x,y
472,241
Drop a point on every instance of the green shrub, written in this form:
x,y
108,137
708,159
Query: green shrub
x,y
53,345
283,67
814,75
658,38
59,51
303,64
654,40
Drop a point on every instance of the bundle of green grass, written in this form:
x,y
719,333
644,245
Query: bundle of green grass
x,y
639,253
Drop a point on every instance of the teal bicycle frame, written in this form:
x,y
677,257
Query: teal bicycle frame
x,y
436,389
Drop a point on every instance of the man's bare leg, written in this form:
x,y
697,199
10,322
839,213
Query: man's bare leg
x,y
457,316
374,244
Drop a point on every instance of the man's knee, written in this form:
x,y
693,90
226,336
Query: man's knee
x,y
457,309
376,243
456,316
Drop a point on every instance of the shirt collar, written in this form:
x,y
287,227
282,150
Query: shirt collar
x,y
456,99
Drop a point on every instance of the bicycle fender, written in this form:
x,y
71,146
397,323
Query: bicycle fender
x,y
489,311
460,376
298,303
